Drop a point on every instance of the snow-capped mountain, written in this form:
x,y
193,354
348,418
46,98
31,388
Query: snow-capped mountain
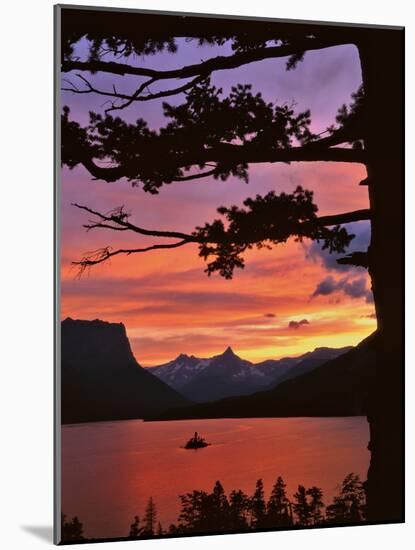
x,y
228,375
338,387
178,372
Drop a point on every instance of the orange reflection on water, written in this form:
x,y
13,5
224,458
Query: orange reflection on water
x,y
110,469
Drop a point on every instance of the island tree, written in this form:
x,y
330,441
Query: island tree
x,y
211,135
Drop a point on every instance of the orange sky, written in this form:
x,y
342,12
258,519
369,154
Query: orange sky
x,y
170,306
164,298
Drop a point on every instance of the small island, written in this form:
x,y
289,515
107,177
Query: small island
x,y
196,442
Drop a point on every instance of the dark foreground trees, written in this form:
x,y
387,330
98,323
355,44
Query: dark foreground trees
x,y
71,530
149,526
349,506
209,135
203,512
216,512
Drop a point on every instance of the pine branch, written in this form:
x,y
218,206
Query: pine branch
x,y
228,244
206,67
234,154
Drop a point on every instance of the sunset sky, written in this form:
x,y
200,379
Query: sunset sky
x,y
166,301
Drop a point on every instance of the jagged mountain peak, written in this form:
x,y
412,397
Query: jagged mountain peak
x,y
228,374
183,357
229,352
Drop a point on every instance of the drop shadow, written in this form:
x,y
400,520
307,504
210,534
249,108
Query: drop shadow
x,y
43,532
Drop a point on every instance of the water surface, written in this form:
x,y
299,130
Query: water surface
x,y
110,469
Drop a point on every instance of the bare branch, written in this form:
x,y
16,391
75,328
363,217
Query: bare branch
x,y
120,217
347,217
197,176
91,89
129,99
103,254
92,225
157,95
206,67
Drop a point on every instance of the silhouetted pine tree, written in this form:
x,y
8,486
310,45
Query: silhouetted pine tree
x,y
202,512
173,529
150,518
218,509
238,510
192,517
302,507
349,506
71,530
278,514
258,507
135,529
316,505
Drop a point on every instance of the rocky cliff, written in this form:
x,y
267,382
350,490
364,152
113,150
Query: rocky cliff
x,y
101,379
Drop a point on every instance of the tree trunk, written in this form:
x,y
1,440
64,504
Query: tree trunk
x,y
382,69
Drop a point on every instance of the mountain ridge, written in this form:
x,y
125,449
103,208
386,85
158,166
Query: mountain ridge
x,y
227,374
339,387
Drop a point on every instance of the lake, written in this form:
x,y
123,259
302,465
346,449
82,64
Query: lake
x,y
110,469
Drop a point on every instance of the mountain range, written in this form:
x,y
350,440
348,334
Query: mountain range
x,y
101,379
227,375
339,387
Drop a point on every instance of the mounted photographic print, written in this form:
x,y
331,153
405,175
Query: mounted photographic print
x,y
229,275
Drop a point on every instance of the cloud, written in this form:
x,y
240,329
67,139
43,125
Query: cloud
x,y
298,324
356,288
315,253
270,315
353,288
325,287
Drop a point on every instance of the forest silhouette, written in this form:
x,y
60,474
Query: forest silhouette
x,y
209,135
216,512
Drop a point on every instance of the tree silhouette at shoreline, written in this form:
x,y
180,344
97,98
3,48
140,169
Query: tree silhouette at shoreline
x,y
279,507
72,530
216,512
135,529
